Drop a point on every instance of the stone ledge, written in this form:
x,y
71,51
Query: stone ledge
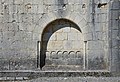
x,y
62,79
36,74
13,78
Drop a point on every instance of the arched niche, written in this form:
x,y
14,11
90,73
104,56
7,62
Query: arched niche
x,y
63,36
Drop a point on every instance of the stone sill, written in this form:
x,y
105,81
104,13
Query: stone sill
x,y
37,73
38,70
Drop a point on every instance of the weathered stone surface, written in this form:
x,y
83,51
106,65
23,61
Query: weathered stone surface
x,y
58,35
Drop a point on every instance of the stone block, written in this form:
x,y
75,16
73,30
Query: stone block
x,y
66,1
87,29
89,17
19,78
99,59
78,1
77,8
49,2
36,18
13,18
21,26
115,34
61,36
72,17
104,17
55,62
1,8
71,1
114,24
72,36
95,45
18,2
23,64
97,64
114,14
27,18
77,45
39,2
67,45
52,8
75,61
1,19
50,45
3,78
103,9
115,61
28,2
92,54
41,8
98,27
10,78
4,64
12,9
115,5
82,23
88,37
78,16
70,8
115,44
105,36
99,35
30,27
58,45
80,36
5,18
101,17
55,45
105,26
34,9
21,9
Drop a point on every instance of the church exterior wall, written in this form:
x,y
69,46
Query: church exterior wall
x,y
22,25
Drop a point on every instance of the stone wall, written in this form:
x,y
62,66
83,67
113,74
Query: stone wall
x,y
24,23
115,34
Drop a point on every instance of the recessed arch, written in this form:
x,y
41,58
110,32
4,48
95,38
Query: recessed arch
x,y
60,35
47,18
67,20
